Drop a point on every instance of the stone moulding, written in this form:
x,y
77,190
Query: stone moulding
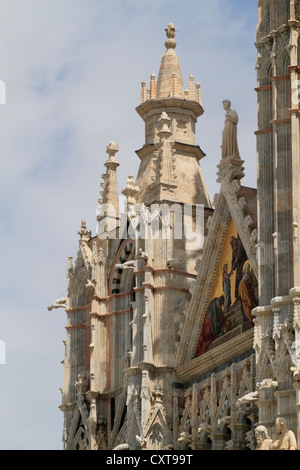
x,y
193,149
269,130
216,357
263,88
78,309
147,150
157,271
160,288
77,326
111,313
158,104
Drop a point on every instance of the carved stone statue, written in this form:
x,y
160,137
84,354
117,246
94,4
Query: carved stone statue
x,y
229,138
81,384
126,265
263,441
58,303
284,439
249,398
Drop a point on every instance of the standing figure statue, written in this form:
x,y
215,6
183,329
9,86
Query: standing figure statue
x,y
229,138
246,294
226,287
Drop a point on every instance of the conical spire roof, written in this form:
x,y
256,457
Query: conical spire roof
x,y
169,77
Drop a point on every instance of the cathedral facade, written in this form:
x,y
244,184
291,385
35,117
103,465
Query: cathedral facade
x,y
183,314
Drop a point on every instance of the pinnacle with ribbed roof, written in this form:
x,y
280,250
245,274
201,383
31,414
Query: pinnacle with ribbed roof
x,y
170,83
169,80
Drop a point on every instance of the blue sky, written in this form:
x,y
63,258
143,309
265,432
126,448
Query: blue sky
x,y
73,71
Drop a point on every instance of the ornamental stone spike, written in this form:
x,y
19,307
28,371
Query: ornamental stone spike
x,y
109,195
85,234
153,86
171,33
169,66
192,88
112,148
130,190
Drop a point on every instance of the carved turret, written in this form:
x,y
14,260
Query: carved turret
x,y
169,168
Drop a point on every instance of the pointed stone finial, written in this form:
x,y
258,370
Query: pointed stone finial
x,y
198,93
170,32
143,92
192,92
153,86
169,81
130,191
84,233
112,148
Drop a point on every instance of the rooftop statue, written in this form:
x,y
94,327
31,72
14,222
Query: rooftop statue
x,y
229,138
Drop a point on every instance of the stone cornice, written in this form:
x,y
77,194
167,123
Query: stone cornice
x,y
158,271
160,288
281,300
77,326
262,311
148,149
156,105
193,149
109,314
263,88
277,78
216,357
280,121
78,309
269,130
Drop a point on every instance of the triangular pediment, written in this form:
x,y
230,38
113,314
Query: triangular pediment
x,y
233,223
157,433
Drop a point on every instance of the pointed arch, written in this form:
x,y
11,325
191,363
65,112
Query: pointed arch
x,y
120,279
